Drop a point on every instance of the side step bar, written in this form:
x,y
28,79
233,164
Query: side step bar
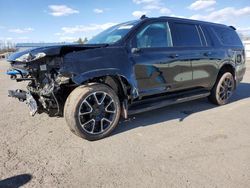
x,y
155,104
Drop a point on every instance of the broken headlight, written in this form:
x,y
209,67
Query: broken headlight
x,y
31,57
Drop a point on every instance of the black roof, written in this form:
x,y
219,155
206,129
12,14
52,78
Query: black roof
x,y
186,20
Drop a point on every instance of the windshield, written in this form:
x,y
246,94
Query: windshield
x,y
113,34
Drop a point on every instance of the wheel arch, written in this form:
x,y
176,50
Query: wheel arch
x,y
227,67
122,85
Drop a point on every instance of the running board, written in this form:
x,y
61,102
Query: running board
x,y
161,102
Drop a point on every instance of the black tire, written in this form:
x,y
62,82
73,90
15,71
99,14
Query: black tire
x,y
223,89
88,113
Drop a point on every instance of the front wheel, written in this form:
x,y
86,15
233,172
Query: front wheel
x,y
223,89
92,111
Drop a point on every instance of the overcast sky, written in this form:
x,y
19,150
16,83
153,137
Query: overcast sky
x,y
61,20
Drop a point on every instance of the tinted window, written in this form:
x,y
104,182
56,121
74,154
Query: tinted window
x,y
227,36
208,38
185,35
154,36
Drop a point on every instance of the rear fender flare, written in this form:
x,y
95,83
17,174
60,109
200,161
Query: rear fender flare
x,y
230,63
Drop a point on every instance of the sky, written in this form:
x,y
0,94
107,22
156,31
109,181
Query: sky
x,y
66,21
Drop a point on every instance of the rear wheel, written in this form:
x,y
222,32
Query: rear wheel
x,y
92,111
223,89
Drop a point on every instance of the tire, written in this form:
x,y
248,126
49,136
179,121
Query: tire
x,y
223,89
92,111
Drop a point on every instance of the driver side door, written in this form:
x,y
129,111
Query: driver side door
x,y
158,66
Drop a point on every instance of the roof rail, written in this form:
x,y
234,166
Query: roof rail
x,y
232,27
143,17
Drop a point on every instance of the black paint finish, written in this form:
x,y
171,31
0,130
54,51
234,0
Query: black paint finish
x,y
143,72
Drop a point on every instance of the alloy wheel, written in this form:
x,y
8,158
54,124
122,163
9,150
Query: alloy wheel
x,y
97,112
226,88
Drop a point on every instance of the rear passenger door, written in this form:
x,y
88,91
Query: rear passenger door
x,y
205,60
187,43
189,38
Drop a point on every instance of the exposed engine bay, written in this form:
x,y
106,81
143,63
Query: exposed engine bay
x,y
46,89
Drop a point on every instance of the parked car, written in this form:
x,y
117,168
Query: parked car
x,y
130,68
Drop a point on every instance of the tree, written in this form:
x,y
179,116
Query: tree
x,y
80,41
85,40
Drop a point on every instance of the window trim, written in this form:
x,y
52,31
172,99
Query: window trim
x,y
203,34
197,29
170,35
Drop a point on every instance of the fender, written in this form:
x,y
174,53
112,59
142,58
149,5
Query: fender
x,y
89,64
89,75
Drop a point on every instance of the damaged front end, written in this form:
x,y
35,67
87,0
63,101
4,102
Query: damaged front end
x,y
54,72
47,88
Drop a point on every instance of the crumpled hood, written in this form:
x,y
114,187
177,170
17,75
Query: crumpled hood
x,y
57,50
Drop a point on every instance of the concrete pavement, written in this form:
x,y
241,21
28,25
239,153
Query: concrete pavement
x,y
195,144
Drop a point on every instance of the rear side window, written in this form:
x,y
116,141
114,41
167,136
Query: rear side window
x,y
185,35
227,36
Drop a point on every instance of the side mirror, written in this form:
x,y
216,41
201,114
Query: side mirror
x,y
135,50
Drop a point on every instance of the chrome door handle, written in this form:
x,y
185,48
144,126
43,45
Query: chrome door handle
x,y
207,54
173,56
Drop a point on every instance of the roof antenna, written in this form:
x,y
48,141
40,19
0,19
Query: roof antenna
x,y
143,17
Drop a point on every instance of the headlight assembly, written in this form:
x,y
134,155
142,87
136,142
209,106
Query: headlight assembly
x,y
30,57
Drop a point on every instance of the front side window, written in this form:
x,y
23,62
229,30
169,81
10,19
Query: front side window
x,y
185,35
155,35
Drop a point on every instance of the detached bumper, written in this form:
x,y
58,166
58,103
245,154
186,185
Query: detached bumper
x,y
27,97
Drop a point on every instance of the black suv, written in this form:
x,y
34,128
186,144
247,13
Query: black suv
x,y
130,68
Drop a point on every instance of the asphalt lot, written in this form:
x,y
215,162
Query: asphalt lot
x,y
195,144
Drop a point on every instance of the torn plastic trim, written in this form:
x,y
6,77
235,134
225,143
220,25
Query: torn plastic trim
x,y
18,94
27,97
14,72
18,75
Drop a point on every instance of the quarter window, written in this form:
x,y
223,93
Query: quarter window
x,y
155,35
227,36
185,35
